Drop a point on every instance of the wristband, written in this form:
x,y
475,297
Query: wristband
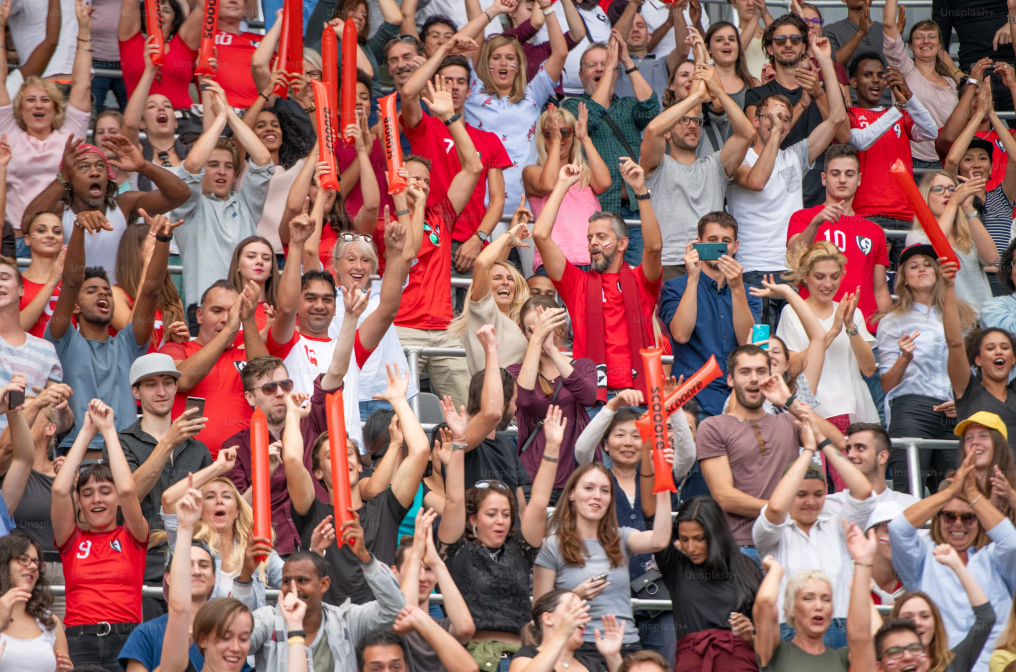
x,y
953,73
822,444
262,94
643,197
163,239
862,564
489,20
399,213
84,39
452,119
971,80
459,445
310,108
972,215
631,69
790,402
971,504
296,633
549,458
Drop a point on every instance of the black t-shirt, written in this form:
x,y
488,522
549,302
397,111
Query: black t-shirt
x,y
702,602
34,512
380,518
814,192
593,661
495,459
976,398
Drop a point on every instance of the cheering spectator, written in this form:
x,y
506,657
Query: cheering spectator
x,y
633,31
107,123
489,552
423,319
989,351
178,31
861,241
819,268
868,449
812,17
716,128
697,319
101,361
253,261
427,642
766,189
41,280
379,516
724,48
985,435
629,296
683,185
429,138
789,529
983,539
971,158
952,204
856,33
40,122
216,216
750,33
233,53
133,261
547,378
981,35
22,453
563,139
712,587
560,617
931,74
496,295
104,565
912,349
1000,311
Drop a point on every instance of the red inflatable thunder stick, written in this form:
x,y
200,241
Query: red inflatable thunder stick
x,y
330,70
920,207
208,27
153,26
290,58
664,479
393,150
679,397
348,78
326,146
260,477
341,500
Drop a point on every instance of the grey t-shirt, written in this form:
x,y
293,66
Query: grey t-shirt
x,y
653,70
615,599
681,195
99,370
423,658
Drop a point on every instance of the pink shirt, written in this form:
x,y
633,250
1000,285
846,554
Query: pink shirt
x,y
938,100
571,225
35,162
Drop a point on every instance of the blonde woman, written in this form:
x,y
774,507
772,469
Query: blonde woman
x,y
562,139
842,393
503,102
912,352
495,297
951,202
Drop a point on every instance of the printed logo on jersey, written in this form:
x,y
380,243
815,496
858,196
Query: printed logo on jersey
x,y
601,375
84,549
239,366
115,545
864,244
998,143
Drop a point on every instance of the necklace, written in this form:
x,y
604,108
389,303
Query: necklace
x,y
493,555
564,664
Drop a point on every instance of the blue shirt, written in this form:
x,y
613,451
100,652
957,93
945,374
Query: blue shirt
x,y
145,646
713,334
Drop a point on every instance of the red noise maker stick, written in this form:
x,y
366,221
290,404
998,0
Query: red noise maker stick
x,y
348,77
393,150
679,397
341,500
326,147
330,71
208,27
290,43
153,26
260,477
920,207
653,362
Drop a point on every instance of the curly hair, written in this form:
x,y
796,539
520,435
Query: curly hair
x,y
11,546
976,337
475,498
295,143
785,20
564,522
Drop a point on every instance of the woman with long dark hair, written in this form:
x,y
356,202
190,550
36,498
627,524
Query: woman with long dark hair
x,y
32,638
254,261
712,586
994,467
723,44
554,637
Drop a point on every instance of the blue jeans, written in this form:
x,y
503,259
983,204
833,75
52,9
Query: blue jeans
x,y
103,85
874,384
21,248
633,255
595,408
835,636
751,552
657,634
370,405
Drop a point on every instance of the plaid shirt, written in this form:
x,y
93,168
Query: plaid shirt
x,y
631,116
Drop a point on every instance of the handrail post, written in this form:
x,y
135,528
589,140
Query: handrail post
x,y
914,470
413,359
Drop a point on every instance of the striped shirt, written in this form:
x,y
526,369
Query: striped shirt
x,y
997,217
36,359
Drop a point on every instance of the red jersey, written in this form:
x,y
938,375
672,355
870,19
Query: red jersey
x,y
432,139
863,243
572,288
225,407
260,319
234,75
426,303
999,159
31,290
174,77
104,573
878,193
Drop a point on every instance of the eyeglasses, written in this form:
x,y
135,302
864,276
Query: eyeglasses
x,y
781,40
684,121
26,560
939,190
491,483
965,518
895,652
814,22
314,74
269,388
565,133
348,237
164,160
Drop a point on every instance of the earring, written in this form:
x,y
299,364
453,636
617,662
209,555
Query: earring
x,y
474,530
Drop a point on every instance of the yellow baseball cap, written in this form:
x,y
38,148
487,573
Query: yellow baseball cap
x,y
989,420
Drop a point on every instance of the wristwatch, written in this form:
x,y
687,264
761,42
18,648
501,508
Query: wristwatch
x,y
482,236
631,69
852,332
643,197
452,119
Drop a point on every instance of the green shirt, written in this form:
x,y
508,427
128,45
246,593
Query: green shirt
x,y
788,657
320,653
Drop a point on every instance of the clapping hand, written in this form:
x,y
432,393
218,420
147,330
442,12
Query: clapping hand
x,y
610,643
397,385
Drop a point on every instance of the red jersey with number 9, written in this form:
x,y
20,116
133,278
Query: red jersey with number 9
x,y
104,573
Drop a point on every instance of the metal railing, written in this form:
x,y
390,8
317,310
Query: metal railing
x,y
913,447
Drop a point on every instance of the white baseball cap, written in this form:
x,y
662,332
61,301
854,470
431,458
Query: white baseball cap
x,y
155,364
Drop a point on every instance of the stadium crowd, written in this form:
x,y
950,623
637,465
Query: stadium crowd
x,y
820,213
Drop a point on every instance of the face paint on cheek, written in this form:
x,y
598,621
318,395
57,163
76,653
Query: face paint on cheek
x,y
512,66
606,245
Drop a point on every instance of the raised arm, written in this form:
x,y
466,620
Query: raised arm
x,y
261,61
957,365
766,614
175,643
453,520
654,142
80,97
355,302
811,360
299,481
36,63
202,148
824,133
130,505
464,183
786,490
548,322
138,100
410,473
497,249
149,294
73,278
534,518
16,477
288,300
859,615
224,463
558,48
962,142
652,238
477,428
377,324
62,508
553,258
923,510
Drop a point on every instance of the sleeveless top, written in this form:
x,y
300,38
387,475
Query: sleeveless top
x,y
100,249
29,654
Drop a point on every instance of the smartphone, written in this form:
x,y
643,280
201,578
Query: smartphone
x,y
198,403
760,335
710,251
599,577
15,399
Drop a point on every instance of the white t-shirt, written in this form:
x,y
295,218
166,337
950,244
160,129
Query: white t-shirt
x,y
597,30
656,12
28,28
763,216
841,389
100,249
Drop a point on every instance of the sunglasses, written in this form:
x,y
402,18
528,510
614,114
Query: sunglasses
x,y
894,652
814,22
497,485
269,388
565,133
795,40
164,160
965,518
348,237
939,190
26,560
